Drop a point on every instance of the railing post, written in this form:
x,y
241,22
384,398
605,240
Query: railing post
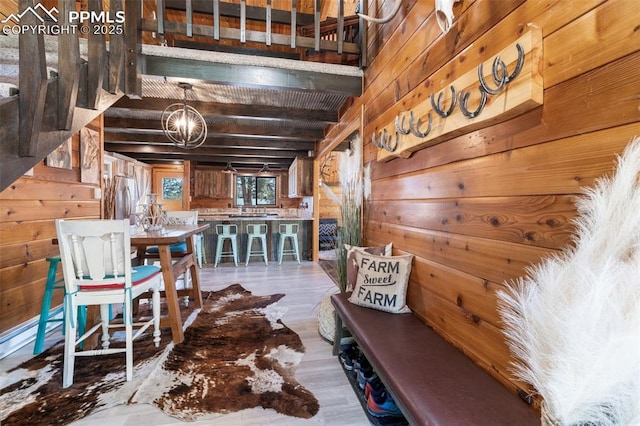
x,y
216,19
340,29
293,24
316,24
268,23
363,34
160,13
189,12
243,21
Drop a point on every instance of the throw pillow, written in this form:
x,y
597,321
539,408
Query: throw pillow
x,y
382,282
352,264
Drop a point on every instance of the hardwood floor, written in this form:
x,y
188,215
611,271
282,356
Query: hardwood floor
x,y
304,285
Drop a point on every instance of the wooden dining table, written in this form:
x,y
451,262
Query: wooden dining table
x,y
173,267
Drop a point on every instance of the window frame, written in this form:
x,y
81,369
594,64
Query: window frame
x,y
255,176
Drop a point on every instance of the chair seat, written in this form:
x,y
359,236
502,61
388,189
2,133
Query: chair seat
x,y
175,248
139,275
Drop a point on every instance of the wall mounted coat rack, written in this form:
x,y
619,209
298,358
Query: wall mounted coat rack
x,y
507,85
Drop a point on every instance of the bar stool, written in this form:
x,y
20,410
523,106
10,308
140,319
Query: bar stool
x,y
200,256
289,230
226,232
257,231
45,315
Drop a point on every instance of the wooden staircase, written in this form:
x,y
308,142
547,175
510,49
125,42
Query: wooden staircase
x,y
48,109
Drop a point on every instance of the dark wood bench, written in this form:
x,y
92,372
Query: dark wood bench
x,y
432,382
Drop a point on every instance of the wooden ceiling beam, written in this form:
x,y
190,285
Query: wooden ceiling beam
x,y
265,112
223,129
250,76
204,151
274,163
233,143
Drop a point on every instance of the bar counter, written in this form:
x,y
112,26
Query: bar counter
x,y
305,235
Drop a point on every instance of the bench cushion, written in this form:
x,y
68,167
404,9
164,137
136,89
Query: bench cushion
x,y
431,381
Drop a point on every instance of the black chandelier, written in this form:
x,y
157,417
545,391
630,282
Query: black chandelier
x,y
183,124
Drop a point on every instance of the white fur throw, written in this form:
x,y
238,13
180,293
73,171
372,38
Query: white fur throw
x,y
574,322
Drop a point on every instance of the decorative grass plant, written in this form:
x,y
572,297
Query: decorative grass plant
x,y
351,181
574,322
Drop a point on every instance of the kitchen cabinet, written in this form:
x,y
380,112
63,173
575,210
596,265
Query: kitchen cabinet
x,y
212,184
284,185
301,178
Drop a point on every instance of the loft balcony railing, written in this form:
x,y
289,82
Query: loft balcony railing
x,y
338,35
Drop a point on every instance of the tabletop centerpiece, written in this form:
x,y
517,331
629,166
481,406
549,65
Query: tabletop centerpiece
x,y
152,217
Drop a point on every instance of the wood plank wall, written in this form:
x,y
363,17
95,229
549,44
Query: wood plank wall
x,y
28,208
477,209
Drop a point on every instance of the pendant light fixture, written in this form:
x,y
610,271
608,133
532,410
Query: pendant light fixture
x,y
183,124
265,169
229,169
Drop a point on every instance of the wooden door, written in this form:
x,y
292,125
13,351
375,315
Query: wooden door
x,y
170,187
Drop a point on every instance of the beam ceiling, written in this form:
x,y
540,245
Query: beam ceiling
x,y
258,109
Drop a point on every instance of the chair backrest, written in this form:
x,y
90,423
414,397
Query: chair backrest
x,y
288,228
257,229
222,229
94,252
182,217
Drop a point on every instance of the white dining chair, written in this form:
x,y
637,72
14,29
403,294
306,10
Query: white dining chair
x,y
177,217
96,263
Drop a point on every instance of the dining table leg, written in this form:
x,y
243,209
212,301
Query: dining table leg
x,y
171,293
195,275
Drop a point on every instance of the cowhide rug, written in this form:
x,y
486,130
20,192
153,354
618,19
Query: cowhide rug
x,y
237,354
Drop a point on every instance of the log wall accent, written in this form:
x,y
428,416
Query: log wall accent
x,y
28,208
476,209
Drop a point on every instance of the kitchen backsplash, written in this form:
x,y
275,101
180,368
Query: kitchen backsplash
x,y
281,212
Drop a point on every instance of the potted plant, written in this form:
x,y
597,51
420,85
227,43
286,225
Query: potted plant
x,y
350,230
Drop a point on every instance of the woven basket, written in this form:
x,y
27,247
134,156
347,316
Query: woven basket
x,y
326,319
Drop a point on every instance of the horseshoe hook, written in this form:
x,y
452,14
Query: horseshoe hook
x,y
437,106
415,130
519,64
383,136
388,146
500,80
499,72
400,127
464,98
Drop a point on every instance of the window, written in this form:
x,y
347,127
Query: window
x,y
171,189
255,190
